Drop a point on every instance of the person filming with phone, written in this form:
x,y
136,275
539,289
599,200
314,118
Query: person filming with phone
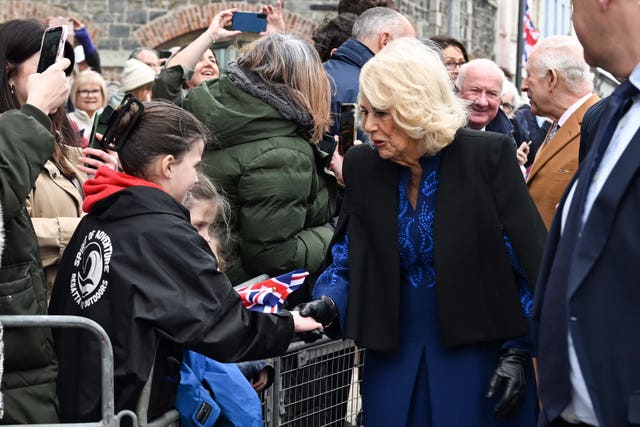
x,y
434,257
31,113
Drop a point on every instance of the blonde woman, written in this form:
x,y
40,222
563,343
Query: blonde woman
x,y
434,256
268,111
88,96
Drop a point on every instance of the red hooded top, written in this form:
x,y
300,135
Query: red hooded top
x,y
107,182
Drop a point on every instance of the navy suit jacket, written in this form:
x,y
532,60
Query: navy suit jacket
x,y
604,294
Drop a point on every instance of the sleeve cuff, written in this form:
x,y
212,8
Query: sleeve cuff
x,y
37,114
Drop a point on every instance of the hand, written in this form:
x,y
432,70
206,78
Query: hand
x,y
260,383
510,375
219,22
76,23
323,310
275,21
94,158
336,166
50,89
523,153
304,324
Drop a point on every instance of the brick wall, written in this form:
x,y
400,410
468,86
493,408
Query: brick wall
x,y
119,26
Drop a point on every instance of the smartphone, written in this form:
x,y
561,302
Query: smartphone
x,y
347,126
52,48
249,22
328,144
100,125
164,54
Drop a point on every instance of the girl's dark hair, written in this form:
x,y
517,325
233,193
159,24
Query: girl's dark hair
x,y
162,129
20,39
445,41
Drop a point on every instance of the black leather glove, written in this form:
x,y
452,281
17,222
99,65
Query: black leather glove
x,y
509,375
323,310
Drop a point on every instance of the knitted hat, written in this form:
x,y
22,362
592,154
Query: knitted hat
x,y
136,74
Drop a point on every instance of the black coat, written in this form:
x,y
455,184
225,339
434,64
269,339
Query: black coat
x,y
481,197
137,267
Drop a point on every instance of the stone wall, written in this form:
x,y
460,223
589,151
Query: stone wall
x,y
118,26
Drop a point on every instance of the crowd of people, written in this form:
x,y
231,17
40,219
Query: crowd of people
x,y
478,242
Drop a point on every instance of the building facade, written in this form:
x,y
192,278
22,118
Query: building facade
x,y
119,26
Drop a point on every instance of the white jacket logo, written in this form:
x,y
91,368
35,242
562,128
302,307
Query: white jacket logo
x,y
91,262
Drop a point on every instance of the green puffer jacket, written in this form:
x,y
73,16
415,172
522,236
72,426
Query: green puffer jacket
x,y
30,367
280,196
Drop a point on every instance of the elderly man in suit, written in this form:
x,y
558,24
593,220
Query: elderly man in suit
x,y
480,81
559,85
588,294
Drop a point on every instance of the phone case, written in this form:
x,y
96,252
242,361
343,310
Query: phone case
x,y
52,47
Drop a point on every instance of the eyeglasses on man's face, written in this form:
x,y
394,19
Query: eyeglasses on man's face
x,y
452,64
89,92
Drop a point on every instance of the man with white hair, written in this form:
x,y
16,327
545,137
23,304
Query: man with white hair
x,y
372,30
560,85
481,82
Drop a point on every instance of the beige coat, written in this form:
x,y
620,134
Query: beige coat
x,y
55,206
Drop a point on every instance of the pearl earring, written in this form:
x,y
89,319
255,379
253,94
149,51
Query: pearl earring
x,y
12,90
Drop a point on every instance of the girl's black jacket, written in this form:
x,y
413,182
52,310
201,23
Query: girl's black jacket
x,y
137,267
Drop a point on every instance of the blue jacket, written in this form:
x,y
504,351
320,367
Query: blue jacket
x,y
344,71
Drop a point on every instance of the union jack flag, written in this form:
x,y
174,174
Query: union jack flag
x,y
531,34
268,296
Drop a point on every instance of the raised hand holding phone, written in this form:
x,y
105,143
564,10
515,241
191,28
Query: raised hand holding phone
x,y
50,89
347,126
52,48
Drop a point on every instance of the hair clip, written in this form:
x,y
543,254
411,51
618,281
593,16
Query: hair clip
x,y
113,139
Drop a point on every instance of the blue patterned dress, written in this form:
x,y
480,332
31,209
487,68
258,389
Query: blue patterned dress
x,y
424,384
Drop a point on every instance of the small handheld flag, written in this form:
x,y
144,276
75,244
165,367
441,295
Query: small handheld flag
x,y
268,296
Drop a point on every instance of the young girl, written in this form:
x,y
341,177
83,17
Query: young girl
x,y
136,266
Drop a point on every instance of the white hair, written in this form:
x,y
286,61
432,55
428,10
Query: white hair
x,y
565,55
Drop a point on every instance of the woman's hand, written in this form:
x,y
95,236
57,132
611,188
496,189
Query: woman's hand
x,y
275,21
509,378
94,158
219,22
336,163
50,89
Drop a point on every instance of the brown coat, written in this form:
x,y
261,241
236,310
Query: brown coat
x,y
556,163
55,206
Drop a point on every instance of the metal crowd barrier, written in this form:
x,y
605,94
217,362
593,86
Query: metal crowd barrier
x,y
315,385
109,418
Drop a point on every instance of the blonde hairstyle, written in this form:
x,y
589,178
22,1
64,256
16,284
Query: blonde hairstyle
x,y
294,63
88,77
408,79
